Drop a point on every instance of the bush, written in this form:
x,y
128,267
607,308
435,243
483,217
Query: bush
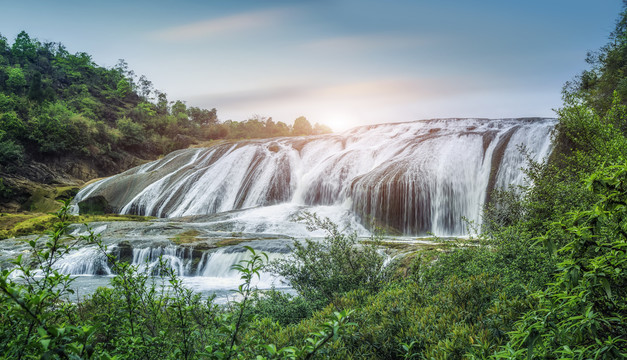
x,y
282,308
57,129
132,132
583,314
338,264
11,153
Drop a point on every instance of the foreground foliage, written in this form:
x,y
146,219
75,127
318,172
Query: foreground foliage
x,y
322,270
138,317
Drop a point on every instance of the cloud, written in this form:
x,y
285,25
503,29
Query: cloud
x,y
382,90
255,96
224,25
366,42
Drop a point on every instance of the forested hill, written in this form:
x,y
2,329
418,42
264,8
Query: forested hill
x,y
64,118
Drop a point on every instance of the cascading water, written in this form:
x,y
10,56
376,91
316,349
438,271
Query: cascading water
x,y
203,270
414,178
184,261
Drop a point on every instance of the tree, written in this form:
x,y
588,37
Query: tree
x,y
123,88
24,49
606,76
203,116
179,110
145,87
35,91
132,132
13,125
11,153
4,46
16,80
123,69
319,129
162,103
302,126
281,129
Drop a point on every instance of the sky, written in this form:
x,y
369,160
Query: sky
x,y
342,63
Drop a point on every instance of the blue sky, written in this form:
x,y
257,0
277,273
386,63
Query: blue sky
x,y
338,62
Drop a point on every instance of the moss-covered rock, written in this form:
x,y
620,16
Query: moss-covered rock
x,y
66,192
125,252
12,225
96,205
186,237
42,200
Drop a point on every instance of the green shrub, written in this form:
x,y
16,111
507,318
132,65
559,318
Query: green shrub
x,y
282,307
583,313
321,270
11,153
132,132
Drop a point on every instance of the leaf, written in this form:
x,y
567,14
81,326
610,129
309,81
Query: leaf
x,y
45,343
606,287
531,341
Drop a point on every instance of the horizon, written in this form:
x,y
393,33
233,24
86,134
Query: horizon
x,y
339,63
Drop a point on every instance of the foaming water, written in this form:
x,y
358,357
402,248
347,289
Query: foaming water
x,y
208,272
413,178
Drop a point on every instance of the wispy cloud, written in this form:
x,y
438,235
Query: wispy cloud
x,y
367,42
383,90
224,25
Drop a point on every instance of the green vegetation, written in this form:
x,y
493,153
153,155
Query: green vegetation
x,y
186,237
12,225
320,271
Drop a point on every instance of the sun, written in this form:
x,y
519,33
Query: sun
x,y
338,121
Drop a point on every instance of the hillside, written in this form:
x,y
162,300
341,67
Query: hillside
x,y
65,120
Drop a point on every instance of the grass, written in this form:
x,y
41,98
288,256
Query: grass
x,y
229,242
12,225
186,237
24,224
404,246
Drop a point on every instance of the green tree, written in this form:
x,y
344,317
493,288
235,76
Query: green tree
x,y
145,87
11,153
35,91
13,126
302,126
162,103
123,89
179,111
4,46
16,80
607,75
132,132
203,116
57,129
24,48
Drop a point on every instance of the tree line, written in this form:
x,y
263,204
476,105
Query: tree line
x,y
53,102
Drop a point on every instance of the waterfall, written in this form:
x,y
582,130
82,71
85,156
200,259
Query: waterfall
x,y
412,178
184,261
